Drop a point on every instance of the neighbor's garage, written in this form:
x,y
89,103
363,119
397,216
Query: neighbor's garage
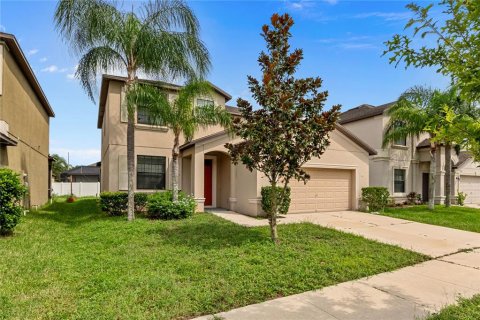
x,y
327,190
471,186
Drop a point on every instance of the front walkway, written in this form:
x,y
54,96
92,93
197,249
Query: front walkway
x,y
408,293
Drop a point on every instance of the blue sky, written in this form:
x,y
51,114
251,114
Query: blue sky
x,y
342,43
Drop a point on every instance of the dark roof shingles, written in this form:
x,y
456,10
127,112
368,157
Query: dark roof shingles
x,y
363,111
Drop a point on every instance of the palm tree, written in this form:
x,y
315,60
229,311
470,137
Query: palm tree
x,y
411,116
162,39
443,101
181,115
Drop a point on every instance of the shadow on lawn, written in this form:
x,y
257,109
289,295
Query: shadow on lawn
x,y
209,234
72,214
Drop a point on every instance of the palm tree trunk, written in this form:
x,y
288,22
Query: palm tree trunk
x,y
448,174
431,182
131,154
175,154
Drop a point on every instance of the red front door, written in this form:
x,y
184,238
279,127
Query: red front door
x,y
208,182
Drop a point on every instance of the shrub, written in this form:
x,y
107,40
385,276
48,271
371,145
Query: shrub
x,y
161,206
11,192
461,196
376,198
114,203
141,200
267,200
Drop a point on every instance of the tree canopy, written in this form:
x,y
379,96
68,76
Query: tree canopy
x,y
290,127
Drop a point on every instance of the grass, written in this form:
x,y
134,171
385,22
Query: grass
x,y
456,217
70,261
467,309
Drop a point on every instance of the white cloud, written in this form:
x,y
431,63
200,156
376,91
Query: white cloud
x,y
52,69
32,52
387,16
44,59
350,43
299,5
353,46
71,76
2,28
332,2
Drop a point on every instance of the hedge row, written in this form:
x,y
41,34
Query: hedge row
x,y
158,205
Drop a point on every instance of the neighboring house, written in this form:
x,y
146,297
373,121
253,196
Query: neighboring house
x,y
90,173
206,170
24,122
403,166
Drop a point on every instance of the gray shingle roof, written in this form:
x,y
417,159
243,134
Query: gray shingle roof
x,y
363,111
233,110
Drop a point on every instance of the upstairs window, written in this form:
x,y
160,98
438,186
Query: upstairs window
x,y
399,180
204,102
143,116
400,141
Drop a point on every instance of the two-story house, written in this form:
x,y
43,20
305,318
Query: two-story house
x,y
403,166
206,171
24,122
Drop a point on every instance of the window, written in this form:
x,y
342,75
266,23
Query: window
x,y
399,181
143,116
204,102
400,142
151,172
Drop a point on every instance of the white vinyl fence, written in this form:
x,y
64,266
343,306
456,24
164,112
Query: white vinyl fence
x,y
79,189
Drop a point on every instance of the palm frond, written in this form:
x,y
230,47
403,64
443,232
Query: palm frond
x,y
87,23
95,60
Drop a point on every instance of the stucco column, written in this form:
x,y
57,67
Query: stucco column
x,y
440,176
198,168
233,186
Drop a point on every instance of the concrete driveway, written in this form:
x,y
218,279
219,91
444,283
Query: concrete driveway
x,y
408,293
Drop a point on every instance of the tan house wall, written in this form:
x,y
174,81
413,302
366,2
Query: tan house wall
x,y
245,186
29,123
392,157
149,140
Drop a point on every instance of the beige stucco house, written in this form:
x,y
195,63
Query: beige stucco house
x,y
403,166
24,121
206,170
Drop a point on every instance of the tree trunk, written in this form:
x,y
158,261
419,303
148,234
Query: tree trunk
x,y
175,153
448,174
431,182
273,215
131,153
131,167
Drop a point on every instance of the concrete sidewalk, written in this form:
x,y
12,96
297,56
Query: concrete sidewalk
x,y
408,293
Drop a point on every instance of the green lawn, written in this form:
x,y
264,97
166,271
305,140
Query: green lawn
x,y
70,261
454,217
467,309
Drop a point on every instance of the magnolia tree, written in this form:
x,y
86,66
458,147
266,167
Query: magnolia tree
x,y
290,127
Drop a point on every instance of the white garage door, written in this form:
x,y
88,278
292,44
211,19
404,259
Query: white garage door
x,y
327,190
471,186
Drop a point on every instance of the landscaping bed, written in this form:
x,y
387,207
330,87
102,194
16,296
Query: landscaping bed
x,y
456,217
70,260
